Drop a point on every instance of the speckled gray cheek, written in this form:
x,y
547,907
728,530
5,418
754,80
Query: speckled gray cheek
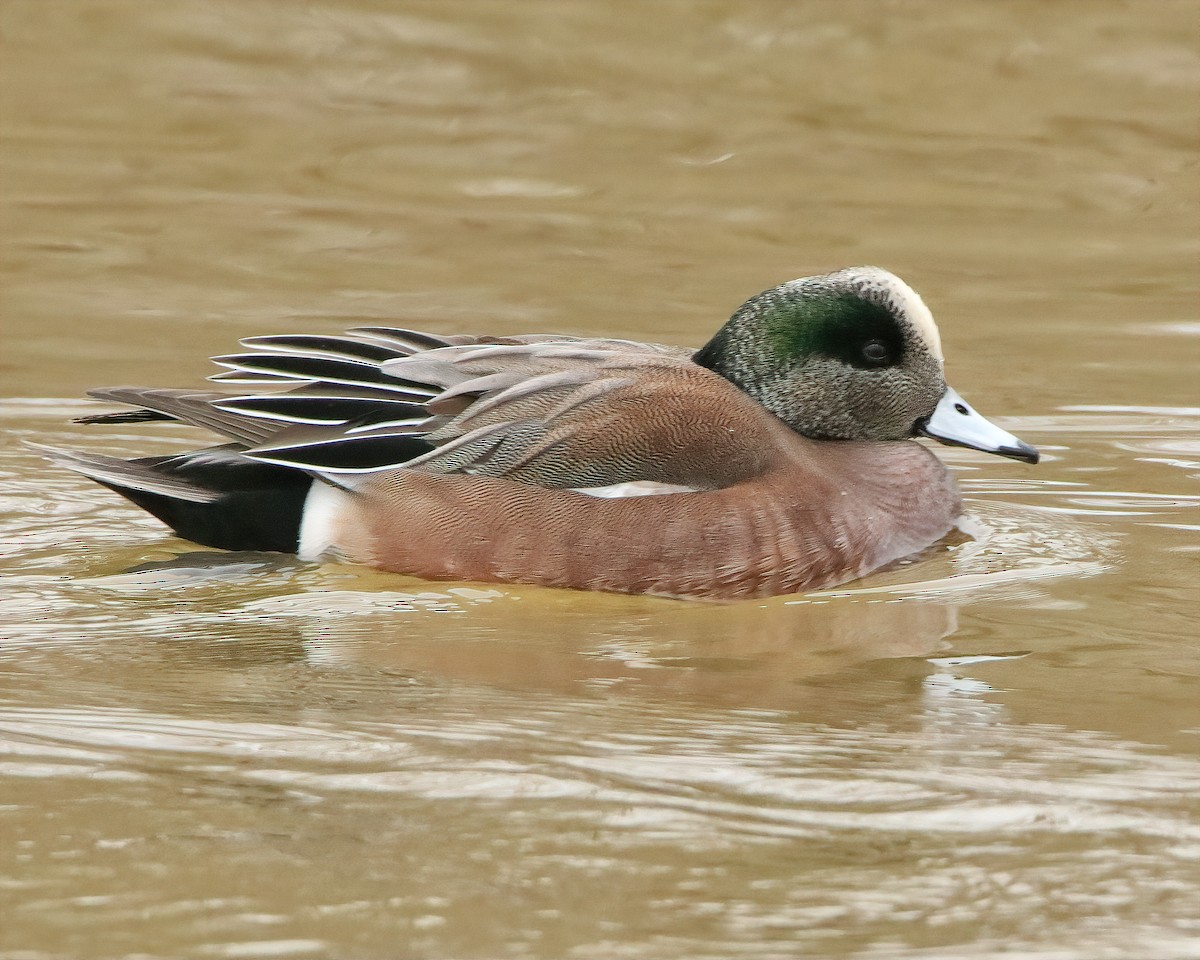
x,y
813,397
910,394
826,399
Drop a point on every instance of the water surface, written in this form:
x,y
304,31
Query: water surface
x,y
992,749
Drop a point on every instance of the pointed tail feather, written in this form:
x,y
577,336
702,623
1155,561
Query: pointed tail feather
x,y
216,497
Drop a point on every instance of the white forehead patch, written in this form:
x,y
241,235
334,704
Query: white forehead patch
x,y
922,320
906,299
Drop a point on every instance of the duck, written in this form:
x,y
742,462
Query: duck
x,y
780,457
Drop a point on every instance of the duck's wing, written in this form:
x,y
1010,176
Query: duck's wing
x,y
552,412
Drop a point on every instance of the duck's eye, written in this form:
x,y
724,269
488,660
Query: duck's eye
x,y
875,351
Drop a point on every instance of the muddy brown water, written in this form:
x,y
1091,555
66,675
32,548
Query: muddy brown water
x,y
991,750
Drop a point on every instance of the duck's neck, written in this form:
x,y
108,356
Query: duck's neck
x,y
738,351
739,356
716,354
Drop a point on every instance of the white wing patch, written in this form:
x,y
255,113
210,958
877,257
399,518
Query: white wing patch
x,y
634,488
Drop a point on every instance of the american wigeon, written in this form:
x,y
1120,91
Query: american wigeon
x,y
777,458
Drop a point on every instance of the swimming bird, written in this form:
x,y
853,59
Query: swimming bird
x,y
777,458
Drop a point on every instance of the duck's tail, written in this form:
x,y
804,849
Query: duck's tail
x,y
217,497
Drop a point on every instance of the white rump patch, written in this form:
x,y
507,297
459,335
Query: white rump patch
x,y
318,522
634,488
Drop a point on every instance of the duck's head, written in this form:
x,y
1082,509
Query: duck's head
x,y
851,355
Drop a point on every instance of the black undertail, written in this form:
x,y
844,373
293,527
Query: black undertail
x,y
215,497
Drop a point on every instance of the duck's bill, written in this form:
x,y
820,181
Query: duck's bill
x,y
955,422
